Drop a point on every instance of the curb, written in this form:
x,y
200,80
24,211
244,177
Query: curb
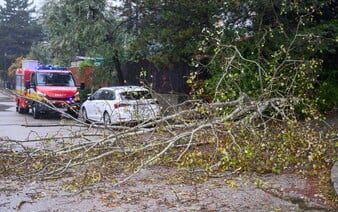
x,y
334,176
7,92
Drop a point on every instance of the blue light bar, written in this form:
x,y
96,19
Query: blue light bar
x,y
50,67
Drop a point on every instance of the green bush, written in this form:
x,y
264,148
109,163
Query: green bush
x,y
84,94
278,148
327,96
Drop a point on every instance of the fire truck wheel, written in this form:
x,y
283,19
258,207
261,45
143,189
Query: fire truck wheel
x,y
21,110
17,107
35,111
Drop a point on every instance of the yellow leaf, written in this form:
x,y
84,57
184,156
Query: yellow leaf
x,y
231,183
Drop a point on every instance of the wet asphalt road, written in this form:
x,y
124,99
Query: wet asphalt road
x,y
23,127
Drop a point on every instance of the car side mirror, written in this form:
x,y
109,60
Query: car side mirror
x,y
82,86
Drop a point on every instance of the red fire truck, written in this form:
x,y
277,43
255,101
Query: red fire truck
x,y
45,89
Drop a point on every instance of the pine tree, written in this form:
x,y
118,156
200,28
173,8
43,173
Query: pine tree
x,y
18,30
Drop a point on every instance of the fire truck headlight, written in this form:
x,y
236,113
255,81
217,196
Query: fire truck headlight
x,y
77,97
41,96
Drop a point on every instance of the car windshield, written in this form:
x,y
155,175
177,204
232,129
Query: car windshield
x,y
135,95
55,79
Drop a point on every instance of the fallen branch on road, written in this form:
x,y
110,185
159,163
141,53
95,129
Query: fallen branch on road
x,y
213,132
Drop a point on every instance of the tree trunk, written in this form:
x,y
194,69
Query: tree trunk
x,y
116,60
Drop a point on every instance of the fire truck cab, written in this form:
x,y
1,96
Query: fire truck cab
x,y
45,90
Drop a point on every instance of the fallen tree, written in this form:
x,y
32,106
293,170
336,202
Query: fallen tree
x,y
223,142
232,131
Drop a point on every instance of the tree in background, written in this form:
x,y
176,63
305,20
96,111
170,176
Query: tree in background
x,y
168,31
18,30
270,49
40,51
324,38
282,48
75,27
85,28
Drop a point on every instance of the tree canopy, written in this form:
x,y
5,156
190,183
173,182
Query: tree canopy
x,y
74,27
286,47
18,30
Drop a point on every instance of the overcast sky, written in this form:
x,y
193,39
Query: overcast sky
x,y
39,3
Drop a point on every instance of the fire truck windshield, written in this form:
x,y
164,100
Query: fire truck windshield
x,y
55,79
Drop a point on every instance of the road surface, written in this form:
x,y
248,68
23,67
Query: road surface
x,y
24,129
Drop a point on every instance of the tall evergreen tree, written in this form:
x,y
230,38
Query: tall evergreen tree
x,y
83,27
74,27
169,31
18,30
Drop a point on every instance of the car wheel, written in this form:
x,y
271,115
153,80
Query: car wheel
x,y
35,111
106,119
84,115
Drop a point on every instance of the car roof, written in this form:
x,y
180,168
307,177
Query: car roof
x,y
125,88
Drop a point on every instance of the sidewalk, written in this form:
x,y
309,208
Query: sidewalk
x,y
7,91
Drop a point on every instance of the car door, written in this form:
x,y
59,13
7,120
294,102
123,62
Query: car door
x,y
110,100
102,104
91,106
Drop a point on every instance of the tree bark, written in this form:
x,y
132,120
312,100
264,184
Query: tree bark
x,y
117,64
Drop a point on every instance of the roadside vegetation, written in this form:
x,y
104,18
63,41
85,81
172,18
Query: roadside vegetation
x,y
262,78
